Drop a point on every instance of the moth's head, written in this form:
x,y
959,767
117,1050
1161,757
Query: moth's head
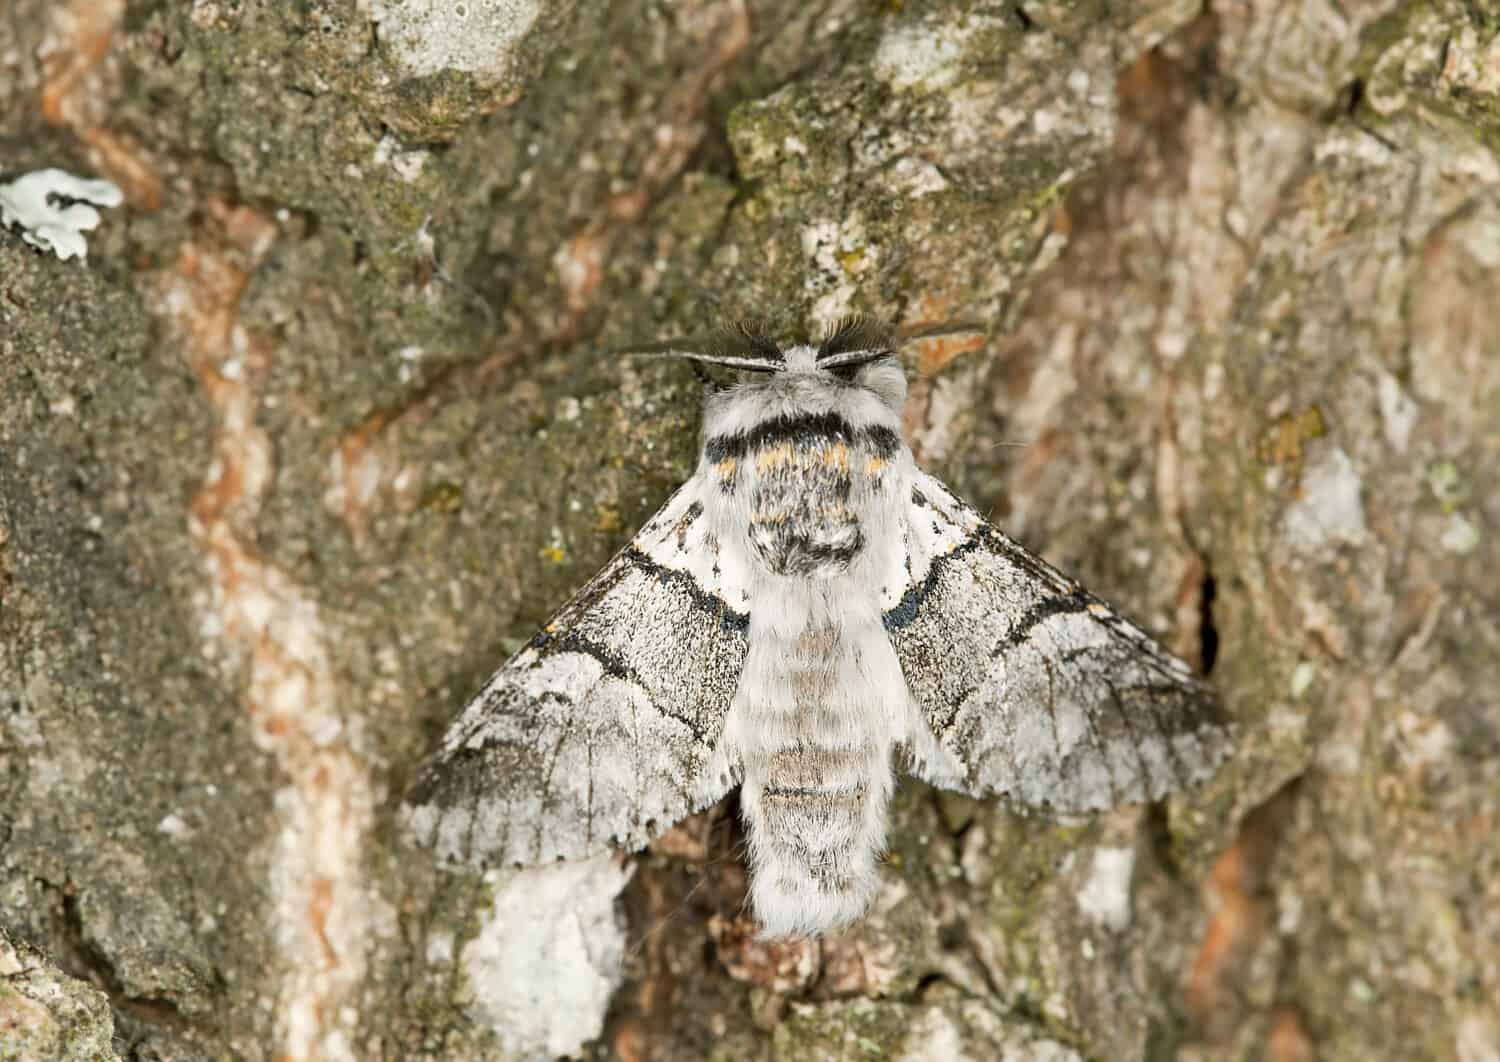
x,y
856,351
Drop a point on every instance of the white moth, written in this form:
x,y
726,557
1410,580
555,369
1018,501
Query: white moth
x,y
809,605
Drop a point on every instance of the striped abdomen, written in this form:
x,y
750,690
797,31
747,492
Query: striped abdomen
x,y
817,779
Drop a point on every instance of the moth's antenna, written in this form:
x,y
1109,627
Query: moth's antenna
x,y
742,345
855,340
855,333
671,351
931,329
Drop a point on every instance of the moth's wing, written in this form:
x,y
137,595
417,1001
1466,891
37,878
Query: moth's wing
x,y
1030,686
604,730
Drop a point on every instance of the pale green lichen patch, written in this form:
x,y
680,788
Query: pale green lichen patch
x,y
47,1016
949,1027
779,135
1440,60
858,1029
970,129
1447,484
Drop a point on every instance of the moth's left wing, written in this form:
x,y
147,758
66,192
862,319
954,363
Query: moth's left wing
x,y
1030,686
605,729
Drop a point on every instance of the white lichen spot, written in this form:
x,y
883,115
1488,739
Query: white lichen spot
x,y
407,164
829,244
1353,145
205,14
1329,511
440,948
1340,757
1302,678
933,1035
1173,339
173,826
926,56
1288,912
1213,381
915,177
424,242
52,209
476,36
1460,536
325,730
1105,896
543,966
1398,413
1425,743
969,1031
258,607
1478,1037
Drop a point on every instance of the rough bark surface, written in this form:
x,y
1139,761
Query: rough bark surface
x,y
322,430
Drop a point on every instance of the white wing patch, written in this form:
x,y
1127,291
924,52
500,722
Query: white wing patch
x,y
933,528
679,539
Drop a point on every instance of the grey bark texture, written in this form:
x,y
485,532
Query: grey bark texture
x,y
326,425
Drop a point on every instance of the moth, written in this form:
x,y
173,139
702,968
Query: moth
x,y
808,611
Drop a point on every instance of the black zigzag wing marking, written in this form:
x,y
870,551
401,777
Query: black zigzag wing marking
x,y
599,732
1036,688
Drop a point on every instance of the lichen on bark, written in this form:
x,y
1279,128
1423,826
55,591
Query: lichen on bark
x,y
47,1015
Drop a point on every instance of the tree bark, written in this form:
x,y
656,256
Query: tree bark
x,y
325,427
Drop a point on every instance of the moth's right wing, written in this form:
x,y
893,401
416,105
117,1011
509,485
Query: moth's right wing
x,y
604,730
1026,684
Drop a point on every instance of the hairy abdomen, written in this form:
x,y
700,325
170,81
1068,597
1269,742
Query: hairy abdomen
x,y
815,836
815,736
